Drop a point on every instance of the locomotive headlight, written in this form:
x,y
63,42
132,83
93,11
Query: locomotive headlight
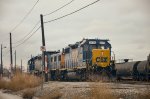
x,y
102,53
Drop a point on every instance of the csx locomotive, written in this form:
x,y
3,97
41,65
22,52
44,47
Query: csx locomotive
x,y
79,60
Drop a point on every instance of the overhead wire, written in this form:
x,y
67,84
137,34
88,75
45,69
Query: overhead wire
x,y
55,20
28,33
59,8
72,12
27,38
24,40
51,21
45,15
25,16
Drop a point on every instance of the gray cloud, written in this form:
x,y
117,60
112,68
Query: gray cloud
x,y
125,22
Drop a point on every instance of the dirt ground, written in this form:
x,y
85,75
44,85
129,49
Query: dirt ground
x,y
96,90
87,90
9,96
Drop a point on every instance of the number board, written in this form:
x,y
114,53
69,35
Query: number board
x,y
102,42
92,42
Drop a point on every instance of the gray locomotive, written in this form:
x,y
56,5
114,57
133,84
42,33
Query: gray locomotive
x,y
76,60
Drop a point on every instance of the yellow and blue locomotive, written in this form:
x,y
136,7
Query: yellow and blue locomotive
x,y
89,56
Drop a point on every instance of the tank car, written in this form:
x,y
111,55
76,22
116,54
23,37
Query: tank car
x,y
143,70
127,70
136,70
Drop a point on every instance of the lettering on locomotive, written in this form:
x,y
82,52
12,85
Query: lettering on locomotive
x,y
101,59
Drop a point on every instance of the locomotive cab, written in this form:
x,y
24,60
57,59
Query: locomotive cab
x,y
97,55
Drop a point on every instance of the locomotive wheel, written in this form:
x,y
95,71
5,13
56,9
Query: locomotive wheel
x,y
97,74
83,75
65,76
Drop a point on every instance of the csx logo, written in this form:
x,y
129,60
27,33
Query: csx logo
x,y
101,59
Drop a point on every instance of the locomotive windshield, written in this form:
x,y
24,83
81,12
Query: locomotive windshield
x,y
92,47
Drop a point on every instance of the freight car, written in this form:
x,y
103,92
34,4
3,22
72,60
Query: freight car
x,y
85,57
127,70
136,70
143,69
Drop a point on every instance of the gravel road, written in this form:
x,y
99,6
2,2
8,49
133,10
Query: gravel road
x,y
121,90
89,90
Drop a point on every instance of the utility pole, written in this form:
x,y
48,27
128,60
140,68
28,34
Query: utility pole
x,y
43,49
15,61
1,61
31,67
21,66
1,68
11,59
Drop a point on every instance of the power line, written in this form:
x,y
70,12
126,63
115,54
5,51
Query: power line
x,y
24,38
72,12
52,21
25,16
45,15
28,33
27,38
59,8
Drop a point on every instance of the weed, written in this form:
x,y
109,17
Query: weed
x,y
101,92
28,94
20,81
53,95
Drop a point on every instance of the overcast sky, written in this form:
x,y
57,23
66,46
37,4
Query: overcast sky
x,y
126,23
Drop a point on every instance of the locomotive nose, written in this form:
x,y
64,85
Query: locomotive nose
x,y
101,57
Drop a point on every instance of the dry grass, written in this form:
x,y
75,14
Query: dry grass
x,y
145,95
3,84
98,91
20,81
101,92
28,94
53,95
